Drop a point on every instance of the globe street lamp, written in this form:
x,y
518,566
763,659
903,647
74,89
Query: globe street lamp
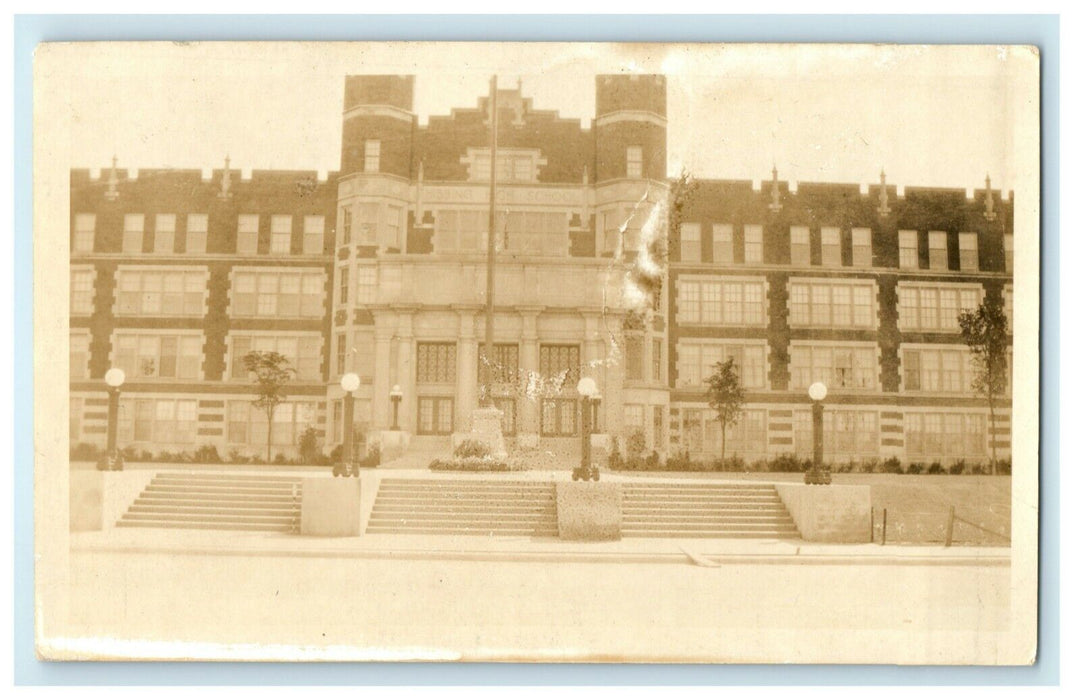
x,y
395,399
587,389
112,460
817,474
348,466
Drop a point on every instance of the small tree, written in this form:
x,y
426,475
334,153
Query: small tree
x,y
725,395
271,372
985,333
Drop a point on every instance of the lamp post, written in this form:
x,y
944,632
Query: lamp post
x,y
817,474
395,400
112,460
348,466
587,389
595,406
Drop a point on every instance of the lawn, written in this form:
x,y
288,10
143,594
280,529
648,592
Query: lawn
x,y
917,506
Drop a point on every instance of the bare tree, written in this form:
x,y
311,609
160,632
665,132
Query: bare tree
x,y
271,372
725,394
985,332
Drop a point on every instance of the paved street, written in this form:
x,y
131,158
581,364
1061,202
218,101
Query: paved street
x,y
545,609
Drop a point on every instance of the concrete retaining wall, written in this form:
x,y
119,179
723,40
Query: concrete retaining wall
x,y
589,510
330,507
829,513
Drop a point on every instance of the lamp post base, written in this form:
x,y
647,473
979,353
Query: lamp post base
x,y
583,473
343,469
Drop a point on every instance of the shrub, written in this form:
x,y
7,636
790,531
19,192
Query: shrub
x,y
615,460
870,466
653,461
237,457
473,464
680,462
785,463
1005,466
917,468
84,452
937,468
207,454
308,446
280,459
467,449
892,465
636,443
958,467
759,466
846,467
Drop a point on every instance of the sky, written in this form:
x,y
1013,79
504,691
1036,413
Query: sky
x,y
941,116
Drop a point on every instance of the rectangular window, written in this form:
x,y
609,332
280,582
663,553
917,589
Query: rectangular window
x,y
281,234
459,231
341,354
313,235
968,243
79,354
1007,246
838,367
800,237
367,284
635,367
304,353
133,233
559,417
834,303
752,243
164,233
861,247
266,293
698,360
727,303
161,292
247,234
931,307
634,161
612,222
936,247
83,241
392,228
722,243
168,356
371,156
944,370
346,226
945,435
909,257
195,241
82,292
831,246
690,246
657,357
437,363
1007,306
560,366
343,285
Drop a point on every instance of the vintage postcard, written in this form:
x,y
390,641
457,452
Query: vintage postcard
x,y
544,352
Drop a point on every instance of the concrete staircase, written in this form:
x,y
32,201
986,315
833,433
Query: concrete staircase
x,y
464,507
208,501
705,510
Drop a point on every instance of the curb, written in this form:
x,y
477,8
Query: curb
x,y
569,557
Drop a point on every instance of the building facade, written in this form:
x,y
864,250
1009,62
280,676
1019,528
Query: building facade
x,y
380,270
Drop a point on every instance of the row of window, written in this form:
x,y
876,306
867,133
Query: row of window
x,y
723,246
846,434
164,234
824,303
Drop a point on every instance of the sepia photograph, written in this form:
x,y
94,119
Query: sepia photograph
x,y
710,353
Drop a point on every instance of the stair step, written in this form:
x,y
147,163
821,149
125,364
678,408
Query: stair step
x,y
475,502
212,518
771,518
396,488
229,478
382,509
218,502
710,527
503,532
730,534
187,525
213,490
209,510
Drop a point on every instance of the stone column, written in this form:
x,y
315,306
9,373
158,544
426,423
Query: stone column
x,y
381,372
466,390
407,412
529,362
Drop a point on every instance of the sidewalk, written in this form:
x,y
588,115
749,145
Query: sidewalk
x,y
701,552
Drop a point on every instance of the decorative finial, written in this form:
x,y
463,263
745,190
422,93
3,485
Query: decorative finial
x,y
989,202
775,192
226,182
883,199
112,193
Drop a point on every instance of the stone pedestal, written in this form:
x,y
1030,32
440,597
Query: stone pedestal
x,y
488,428
589,510
829,513
392,444
330,507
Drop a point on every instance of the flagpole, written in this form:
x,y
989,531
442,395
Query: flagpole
x,y
489,330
